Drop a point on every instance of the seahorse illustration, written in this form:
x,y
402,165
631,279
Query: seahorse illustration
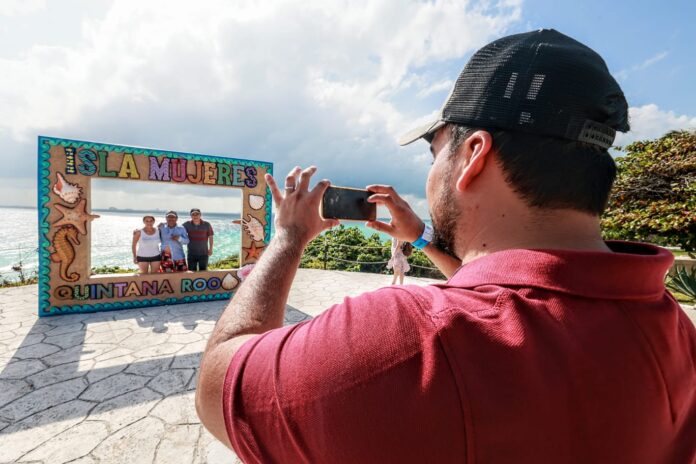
x,y
68,192
63,251
254,227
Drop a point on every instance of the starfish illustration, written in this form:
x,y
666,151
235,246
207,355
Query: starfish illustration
x,y
253,252
76,216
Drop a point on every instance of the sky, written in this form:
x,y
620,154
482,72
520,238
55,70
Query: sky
x,y
329,83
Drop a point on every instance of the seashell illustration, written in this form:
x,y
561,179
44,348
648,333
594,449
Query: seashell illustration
x,y
67,192
244,272
229,282
254,227
256,201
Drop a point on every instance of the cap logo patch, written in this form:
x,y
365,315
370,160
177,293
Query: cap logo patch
x,y
535,86
510,85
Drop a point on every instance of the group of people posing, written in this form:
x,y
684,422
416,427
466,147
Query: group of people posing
x,y
161,248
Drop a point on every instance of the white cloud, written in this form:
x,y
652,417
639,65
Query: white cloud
x,y
625,73
10,8
293,82
649,122
435,88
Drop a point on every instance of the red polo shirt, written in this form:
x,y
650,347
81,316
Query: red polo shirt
x,y
525,356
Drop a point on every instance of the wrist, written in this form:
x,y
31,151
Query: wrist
x,y
425,238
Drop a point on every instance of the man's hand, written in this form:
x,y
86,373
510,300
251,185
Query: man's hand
x,y
297,208
175,237
405,225
210,252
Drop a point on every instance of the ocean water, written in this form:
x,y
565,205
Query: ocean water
x,y
112,235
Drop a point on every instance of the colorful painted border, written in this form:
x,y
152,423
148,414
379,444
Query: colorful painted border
x,y
43,198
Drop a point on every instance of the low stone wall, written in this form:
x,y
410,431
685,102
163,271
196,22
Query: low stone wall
x,y
683,262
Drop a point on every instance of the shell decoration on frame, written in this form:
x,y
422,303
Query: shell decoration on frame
x,y
67,192
256,202
77,216
229,282
254,227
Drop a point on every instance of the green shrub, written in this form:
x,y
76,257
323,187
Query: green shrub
x,y
654,196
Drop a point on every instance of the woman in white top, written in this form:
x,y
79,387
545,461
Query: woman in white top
x,y
399,262
146,247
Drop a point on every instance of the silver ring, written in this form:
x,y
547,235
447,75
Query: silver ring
x,y
289,187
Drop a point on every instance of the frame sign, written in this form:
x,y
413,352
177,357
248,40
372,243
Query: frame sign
x,y
66,169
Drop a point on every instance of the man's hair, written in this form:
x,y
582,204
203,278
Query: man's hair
x,y
148,216
547,172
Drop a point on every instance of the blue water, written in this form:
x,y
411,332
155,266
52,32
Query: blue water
x,y
112,235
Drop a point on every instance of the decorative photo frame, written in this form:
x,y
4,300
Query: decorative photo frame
x,y
65,172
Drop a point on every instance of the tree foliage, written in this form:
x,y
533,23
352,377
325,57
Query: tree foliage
x,y
654,196
346,248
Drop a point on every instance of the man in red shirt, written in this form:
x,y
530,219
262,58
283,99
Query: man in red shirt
x,y
546,344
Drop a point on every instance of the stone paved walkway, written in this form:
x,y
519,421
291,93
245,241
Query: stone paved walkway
x,y
118,387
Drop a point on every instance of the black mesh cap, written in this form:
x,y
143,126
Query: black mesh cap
x,y
540,82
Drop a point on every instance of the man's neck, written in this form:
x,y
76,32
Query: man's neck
x,y
530,229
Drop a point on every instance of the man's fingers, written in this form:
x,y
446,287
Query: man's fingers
x,y
382,198
378,188
291,179
329,223
275,191
381,226
304,178
321,187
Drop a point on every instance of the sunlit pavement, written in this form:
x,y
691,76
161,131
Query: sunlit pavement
x,y
119,386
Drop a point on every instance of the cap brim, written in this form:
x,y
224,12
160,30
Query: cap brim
x,y
420,132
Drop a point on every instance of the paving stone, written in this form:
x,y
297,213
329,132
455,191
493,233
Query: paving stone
x,y
6,335
194,380
178,444
84,460
59,373
10,390
113,386
43,398
149,367
143,340
22,340
177,410
38,351
66,340
107,368
172,381
125,409
110,353
185,338
133,444
211,451
111,336
20,438
66,328
71,444
21,369
9,327
187,360
158,350
76,353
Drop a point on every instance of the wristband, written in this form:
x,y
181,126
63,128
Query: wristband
x,y
425,238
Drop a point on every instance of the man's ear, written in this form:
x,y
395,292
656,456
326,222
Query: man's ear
x,y
476,149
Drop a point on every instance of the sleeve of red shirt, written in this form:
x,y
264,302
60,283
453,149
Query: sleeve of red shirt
x,y
210,230
362,382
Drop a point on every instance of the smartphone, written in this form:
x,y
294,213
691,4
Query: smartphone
x,y
348,203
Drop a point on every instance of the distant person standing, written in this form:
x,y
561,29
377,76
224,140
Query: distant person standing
x,y
200,245
398,263
174,237
146,247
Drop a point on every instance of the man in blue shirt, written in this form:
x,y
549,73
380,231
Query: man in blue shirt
x,y
174,238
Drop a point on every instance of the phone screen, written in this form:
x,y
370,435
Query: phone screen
x,y
348,203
